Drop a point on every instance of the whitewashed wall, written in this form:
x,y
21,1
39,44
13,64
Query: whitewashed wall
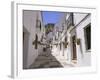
x,y
84,57
29,23
78,17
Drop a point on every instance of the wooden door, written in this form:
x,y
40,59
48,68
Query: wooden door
x,y
74,47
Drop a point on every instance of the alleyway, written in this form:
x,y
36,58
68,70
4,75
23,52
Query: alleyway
x,y
47,60
56,39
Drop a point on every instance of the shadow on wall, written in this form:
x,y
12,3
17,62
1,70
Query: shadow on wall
x,y
25,47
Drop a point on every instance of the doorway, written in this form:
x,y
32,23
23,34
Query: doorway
x,y
74,55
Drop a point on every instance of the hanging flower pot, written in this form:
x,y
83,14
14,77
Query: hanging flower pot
x,y
78,41
65,44
35,42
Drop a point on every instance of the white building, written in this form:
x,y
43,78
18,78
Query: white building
x,y
74,38
82,32
33,32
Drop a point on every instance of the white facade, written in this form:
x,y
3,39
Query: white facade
x,y
84,56
32,26
74,53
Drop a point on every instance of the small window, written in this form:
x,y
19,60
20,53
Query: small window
x,y
87,31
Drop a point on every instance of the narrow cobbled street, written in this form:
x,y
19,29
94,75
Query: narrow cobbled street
x,y
46,60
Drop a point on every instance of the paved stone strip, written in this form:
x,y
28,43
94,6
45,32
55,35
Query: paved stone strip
x,y
45,61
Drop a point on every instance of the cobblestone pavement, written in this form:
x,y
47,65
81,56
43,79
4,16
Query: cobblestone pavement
x,y
46,60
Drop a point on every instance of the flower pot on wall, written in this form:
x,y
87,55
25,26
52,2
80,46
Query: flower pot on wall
x,y
78,41
65,44
35,42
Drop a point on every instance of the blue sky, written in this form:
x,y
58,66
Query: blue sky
x,y
51,16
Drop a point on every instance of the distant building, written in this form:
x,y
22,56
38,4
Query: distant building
x,y
49,27
49,32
